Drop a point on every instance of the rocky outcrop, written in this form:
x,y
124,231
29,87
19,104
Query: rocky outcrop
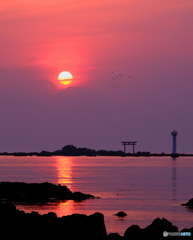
x,y
189,203
157,227
154,231
16,224
121,214
133,232
33,193
114,236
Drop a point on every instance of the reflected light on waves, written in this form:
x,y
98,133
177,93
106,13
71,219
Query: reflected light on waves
x,y
64,171
65,208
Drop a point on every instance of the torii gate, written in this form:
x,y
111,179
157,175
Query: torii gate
x,y
129,143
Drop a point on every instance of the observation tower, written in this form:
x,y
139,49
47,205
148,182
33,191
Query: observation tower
x,y
174,135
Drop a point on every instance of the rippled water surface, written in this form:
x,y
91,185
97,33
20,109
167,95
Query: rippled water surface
x,y
144,187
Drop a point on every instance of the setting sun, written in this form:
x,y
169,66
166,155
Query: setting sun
x,y
65,78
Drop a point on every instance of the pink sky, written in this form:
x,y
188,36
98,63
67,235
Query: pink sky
x,y
148,42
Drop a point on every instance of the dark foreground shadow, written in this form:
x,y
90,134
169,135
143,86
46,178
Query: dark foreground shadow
x,y
16,224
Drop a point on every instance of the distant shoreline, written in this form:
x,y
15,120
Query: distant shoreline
x,y
72,151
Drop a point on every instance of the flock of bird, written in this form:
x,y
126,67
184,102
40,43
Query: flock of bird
x,y
115,80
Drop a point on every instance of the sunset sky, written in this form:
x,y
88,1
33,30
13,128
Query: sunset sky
x,y
132,63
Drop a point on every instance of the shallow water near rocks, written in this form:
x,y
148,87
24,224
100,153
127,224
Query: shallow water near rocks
x,y
143,187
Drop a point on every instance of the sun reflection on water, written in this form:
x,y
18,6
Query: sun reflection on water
x,y
64,171
65,208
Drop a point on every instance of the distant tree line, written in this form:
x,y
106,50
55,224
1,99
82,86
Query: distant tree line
x,y
71,150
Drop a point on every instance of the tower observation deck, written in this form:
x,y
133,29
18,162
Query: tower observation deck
x,y
174,146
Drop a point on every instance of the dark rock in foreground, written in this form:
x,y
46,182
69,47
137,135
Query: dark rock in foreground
x,y
16,224
114,236
32,193
189,203
154,231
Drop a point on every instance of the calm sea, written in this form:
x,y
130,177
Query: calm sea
x,y
143,187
